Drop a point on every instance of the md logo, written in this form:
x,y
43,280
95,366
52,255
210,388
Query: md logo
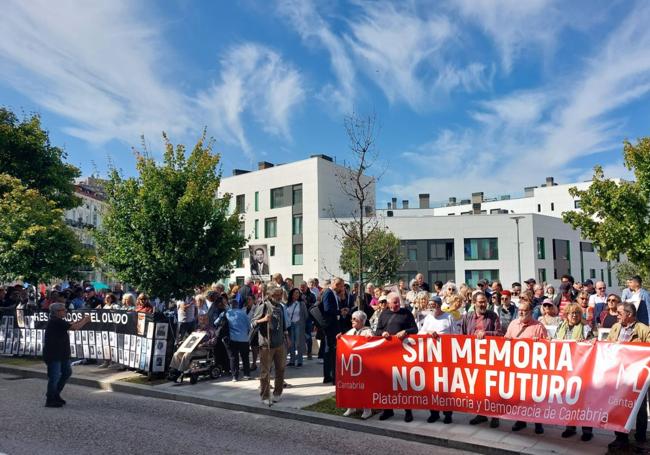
x,y
352,366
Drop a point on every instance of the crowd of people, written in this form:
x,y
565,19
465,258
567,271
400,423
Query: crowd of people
x,y
277,322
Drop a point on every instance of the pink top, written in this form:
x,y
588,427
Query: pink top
x,y
532,329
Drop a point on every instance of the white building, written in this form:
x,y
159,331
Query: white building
x,y
281,206
87,216
287,210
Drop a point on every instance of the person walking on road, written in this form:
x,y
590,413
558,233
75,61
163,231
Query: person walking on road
x,y
56,353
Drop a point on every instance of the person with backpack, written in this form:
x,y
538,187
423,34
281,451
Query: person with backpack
x,y
270,323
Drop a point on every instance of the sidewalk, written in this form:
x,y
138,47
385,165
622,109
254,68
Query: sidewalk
x,y
307,389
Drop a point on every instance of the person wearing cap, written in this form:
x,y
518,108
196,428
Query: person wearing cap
x,y
530,283
56,352
549,315
438,323
91,300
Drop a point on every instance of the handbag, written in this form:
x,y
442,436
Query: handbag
x,y
318,318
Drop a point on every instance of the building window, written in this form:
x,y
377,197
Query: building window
x,y
277,198
441,275
481,249
592,274
407,276
270,227
297,254
541,248
297,279
257,229
552,206
257,201
411,250
587,247
541,275
296,195
441,250
576,204
272,250
240,203
239,262
539,208
473,276
242,229
239,280
561,258
297,225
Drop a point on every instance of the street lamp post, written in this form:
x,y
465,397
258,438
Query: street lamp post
x,y
517,218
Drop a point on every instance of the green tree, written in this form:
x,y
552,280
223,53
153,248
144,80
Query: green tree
x,y
35,243
625,270
381,258
616,216
166,231
26,153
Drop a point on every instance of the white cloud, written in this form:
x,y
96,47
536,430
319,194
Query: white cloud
x,y
515,25
92,63
524,136
103,70
304,17
407,54
254,80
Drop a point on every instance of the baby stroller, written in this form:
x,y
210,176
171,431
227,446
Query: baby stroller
x,y
199,365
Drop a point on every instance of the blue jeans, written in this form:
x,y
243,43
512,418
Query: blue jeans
x,y
297,343
58,373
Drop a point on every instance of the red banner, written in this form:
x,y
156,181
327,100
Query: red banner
x,y
556,382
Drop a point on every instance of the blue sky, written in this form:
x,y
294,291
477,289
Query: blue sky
x,y
471,95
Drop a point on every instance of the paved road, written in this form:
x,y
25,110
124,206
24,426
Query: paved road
x,y
98,422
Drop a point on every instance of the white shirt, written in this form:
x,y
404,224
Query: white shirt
x,y
443,324
635,298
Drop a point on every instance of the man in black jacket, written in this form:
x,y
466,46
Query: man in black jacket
x,y
331,309
56,352
398,322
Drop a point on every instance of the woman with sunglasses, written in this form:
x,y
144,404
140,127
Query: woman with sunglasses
x,y
576,329
609,316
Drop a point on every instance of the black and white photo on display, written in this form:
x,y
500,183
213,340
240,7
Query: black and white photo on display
x,y
161,330
140,326
120,356
77,336
161,347
259,261
104,337
150,328
158,364
112,339
84,337
192,341
91,352
73,350
86,352
114,354
127,342
133,341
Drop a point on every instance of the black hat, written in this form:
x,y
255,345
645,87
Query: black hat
x,y
530,281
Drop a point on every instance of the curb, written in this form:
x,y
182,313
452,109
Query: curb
x,y
294,414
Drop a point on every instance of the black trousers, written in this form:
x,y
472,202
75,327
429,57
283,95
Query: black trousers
x,y
237,350
329,358
641,423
